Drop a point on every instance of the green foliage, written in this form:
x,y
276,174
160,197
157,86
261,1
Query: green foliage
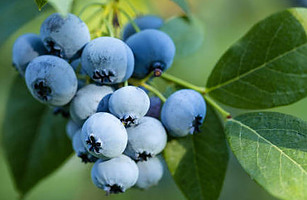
x,y
60,6
271,147
187,34
183,4
34,140
267,67
21,8
198,162
40,3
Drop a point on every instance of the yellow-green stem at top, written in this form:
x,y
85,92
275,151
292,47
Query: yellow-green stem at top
x,y
90,5
183,83
155,91
126,83
132,7
135,26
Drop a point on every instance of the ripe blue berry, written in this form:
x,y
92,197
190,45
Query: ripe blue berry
x,y
150,172
71,128
143,22
153,50
80,150
64,37
25,49
104,135
155,107
107,60
129,104
87,101
183,112
115,175
76,65
51,80
146,140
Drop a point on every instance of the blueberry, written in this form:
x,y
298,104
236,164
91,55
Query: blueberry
x,y
143,22
51,80
129,104
104,136
146,140
107,60
25,49
76,65
153,50
115,175
183,112
87,100
64,37
155,107
71,128
80,149
150,172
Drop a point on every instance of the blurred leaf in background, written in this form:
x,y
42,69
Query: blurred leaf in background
x,y
14,14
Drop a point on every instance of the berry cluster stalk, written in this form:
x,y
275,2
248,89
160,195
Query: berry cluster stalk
x,y
226,115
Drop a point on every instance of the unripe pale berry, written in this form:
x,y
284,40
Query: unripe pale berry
x,y
104,135
115,175
129,104
150,172
146,140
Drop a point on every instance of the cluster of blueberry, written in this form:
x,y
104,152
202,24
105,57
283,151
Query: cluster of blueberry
x,y
108,124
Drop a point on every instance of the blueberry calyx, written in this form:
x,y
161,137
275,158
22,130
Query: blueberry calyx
x,y
94,144
144,156
42,90
61,111
128,121
84,157
87,158
157,67
197,122
105,75
157,72
53,50
114,189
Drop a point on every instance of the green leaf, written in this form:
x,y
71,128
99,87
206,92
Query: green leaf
x,y
40,3
187,34
272,148
14,14
183,4
198,162
267,67
34,139
63,7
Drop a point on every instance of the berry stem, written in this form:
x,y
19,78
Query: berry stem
x,y
109,28
90,5
144,80
183,83
126,83
136,12
226,115
135,26
155,91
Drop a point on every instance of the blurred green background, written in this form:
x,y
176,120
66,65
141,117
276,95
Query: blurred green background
x,y
225,21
